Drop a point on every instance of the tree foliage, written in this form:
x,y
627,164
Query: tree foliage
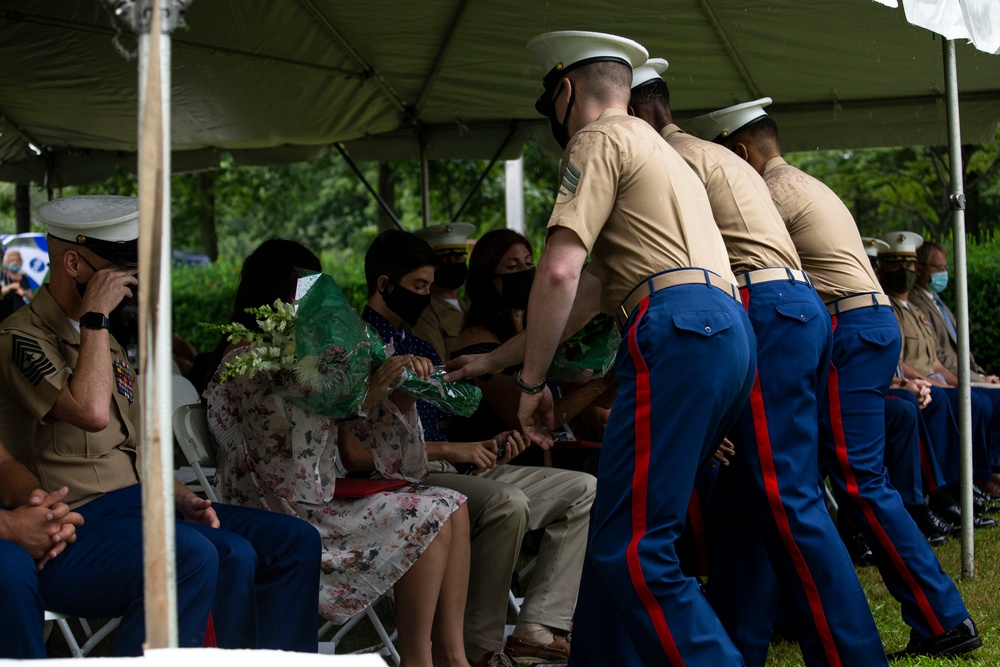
x,y
908,188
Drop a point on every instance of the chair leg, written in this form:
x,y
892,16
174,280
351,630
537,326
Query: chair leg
x,y
67,633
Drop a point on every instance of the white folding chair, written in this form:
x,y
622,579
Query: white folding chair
x,y
386,649
93,638
190,425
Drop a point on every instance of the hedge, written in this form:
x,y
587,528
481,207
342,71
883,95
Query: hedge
x,y
205,294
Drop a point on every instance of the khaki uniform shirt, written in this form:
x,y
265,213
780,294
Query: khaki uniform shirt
x,y
39,348
635,204
919,344
823,230
440,324
947,346
754,233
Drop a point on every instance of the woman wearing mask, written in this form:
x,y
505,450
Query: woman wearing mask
x,y
501,271
13,279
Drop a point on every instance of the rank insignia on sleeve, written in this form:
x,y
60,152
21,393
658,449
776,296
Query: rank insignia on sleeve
x,y
571,177
123,380
27,355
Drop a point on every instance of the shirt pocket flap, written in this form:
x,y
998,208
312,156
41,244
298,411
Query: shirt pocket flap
x,y
704,322
881,337
800,311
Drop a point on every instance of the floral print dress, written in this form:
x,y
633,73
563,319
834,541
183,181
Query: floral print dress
x,y
279,457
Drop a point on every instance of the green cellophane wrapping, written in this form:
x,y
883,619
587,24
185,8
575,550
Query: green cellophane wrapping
x,y
347,351
458,398
333,352
587,354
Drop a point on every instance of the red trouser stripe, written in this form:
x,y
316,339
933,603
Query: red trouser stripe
x,y
640,484
773,492
836,422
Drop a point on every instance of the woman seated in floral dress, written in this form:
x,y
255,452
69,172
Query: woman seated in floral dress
x,y
275,455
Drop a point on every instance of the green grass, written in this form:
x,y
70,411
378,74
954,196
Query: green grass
x,y
981,597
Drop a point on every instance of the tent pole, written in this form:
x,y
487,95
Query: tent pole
x,y
514,191
482,176
425,184
368,186
153,22
957,198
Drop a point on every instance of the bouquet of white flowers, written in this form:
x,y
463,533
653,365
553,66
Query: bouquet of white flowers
x,y
320,354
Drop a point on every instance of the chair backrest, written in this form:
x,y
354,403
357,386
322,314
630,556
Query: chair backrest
x,y
190,425
184,392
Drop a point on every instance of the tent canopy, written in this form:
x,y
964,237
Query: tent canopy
x,y
282,81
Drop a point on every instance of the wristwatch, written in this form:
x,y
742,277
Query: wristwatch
x,y
94,320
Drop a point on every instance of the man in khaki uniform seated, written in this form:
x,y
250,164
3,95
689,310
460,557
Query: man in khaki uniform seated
x,y
441,322
919,357
931,271
69,412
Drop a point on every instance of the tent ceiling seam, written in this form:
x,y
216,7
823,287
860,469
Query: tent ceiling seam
x,y
730,49
353,54
442,53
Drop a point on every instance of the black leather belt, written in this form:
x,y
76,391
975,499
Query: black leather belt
x,y
668,279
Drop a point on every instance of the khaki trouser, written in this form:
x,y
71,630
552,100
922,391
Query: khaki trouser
x,y
503,504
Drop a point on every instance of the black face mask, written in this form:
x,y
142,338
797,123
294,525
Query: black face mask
x,y
451,275
516,288
899,282
406,304
560,131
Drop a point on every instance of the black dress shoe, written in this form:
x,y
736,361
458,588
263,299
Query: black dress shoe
x,y
935,540
857,547
953,515
982,503
929,523
956,641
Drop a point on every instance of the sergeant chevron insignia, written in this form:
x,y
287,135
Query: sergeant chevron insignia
x,y
26,354
571,177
